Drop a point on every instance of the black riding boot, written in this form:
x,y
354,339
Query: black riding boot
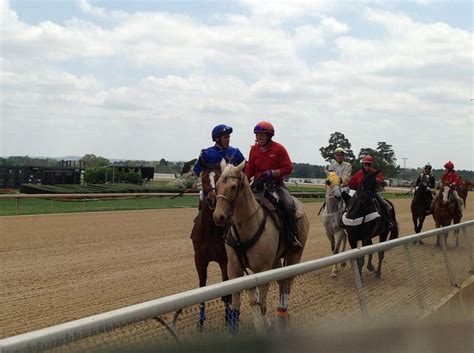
x,y
291,235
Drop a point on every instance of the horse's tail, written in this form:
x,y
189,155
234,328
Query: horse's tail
x,y
393,216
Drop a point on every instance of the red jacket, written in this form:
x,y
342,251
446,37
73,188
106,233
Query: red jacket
x,y
357,178
275,157
451,177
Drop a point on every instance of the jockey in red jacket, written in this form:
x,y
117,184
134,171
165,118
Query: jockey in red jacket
x,y
269,162
357,178
452,179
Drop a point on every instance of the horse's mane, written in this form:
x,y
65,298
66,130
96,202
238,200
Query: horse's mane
x,y
227,172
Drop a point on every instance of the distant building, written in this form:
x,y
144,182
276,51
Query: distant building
x,y
14,176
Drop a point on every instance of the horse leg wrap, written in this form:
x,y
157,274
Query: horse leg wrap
x,y
202,313
233,320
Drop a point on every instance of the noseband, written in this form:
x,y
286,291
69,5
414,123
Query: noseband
x,y
239,187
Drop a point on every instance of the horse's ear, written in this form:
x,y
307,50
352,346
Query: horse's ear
x,y
223,164
241,166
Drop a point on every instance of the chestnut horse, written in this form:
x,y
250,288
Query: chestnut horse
x,y
254,241
445,211
208,238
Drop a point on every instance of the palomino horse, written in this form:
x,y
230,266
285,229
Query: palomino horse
x,y
208,239
332,214
420,206
254,241
363,221
445,211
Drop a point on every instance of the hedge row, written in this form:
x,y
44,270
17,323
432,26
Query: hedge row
x,y
93,189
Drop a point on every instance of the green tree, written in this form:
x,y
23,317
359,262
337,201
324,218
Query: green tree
x,y
337,139
384,159
91,160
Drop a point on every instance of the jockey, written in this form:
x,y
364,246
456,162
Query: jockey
x,y
426,178
357,178
211,157
342,168
453,180
269,162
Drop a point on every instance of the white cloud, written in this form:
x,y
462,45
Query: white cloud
x,y
158,77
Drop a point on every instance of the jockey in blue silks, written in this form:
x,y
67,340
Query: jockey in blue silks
x,y
212,156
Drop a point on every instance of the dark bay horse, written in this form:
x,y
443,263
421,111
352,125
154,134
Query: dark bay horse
x,y
254,241
420,206
208,239
463,190
445,211
363,221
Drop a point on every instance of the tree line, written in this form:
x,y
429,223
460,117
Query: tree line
x,y
383,153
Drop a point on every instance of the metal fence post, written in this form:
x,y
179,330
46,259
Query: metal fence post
x,y
470,249
442,241
359,290
416,278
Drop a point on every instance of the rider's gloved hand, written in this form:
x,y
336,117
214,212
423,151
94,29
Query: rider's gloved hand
x,y
267,174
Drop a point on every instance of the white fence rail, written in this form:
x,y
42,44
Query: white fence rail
x,y
457,269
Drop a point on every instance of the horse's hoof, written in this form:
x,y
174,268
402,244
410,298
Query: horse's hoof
x,y
200,325
420,242
378,274
343,264
282,319
370,268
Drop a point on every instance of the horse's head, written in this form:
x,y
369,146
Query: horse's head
x,y
368,186
228,188
333,185
446,193
209,179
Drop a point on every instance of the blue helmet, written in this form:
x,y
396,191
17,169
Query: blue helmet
x,y
220,130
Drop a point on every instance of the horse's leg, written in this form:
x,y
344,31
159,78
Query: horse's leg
x,y
360,260
331,237
370,266
420,226
344,242
226,298
340,236
234,270
381,254
201,268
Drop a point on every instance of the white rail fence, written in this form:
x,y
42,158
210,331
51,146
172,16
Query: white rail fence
x,y
415,279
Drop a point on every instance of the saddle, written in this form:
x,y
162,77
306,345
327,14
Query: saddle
x,y
269,200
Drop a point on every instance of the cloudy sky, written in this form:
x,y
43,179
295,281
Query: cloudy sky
x,y
149,79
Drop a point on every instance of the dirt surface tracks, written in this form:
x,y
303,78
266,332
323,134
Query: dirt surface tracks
x,y
57,268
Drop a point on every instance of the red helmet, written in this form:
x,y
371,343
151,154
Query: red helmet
x,y
368,159
264,126
449,165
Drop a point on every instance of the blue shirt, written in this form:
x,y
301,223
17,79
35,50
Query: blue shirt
x,y
212,156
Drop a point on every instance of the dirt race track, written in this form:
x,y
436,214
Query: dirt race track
x,y
57,268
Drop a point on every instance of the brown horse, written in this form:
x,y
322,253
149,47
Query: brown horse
x,y
208,238
445,211
254,241
463,190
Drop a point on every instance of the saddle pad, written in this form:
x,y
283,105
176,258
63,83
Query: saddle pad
x,y
358,221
